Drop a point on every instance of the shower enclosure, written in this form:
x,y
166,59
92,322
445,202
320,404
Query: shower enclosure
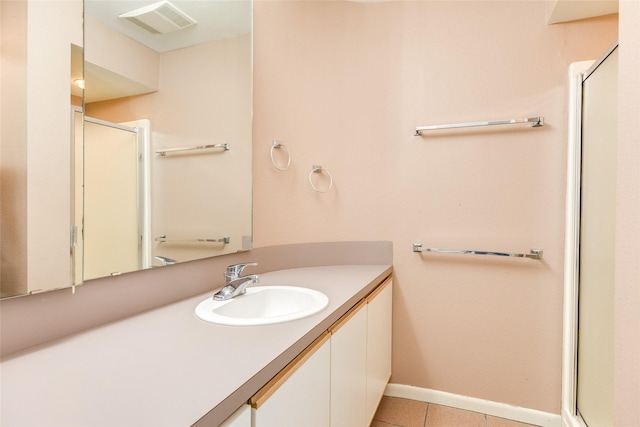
x,y
590,245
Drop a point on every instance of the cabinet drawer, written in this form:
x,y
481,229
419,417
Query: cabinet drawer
x,y
299,394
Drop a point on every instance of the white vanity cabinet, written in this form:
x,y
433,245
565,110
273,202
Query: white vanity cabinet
x,y
338,380
361,359
378,346
349,368
299,394
240,418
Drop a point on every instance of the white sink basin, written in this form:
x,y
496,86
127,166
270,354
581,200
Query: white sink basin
x,y
263,305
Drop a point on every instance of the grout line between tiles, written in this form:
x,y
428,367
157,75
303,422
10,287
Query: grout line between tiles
x,y
426,412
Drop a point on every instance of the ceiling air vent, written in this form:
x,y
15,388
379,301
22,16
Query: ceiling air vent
x,y
161,17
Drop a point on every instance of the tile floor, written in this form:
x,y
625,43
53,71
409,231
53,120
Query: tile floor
x,y
397,412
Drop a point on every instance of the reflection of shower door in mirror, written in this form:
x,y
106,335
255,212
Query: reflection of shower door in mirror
x,y
113,193
76,202
597,249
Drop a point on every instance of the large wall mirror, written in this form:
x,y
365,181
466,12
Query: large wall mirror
x,y
164,171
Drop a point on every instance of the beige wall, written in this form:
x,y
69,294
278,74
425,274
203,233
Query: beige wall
x,y
13,149
36,147
49,139
343,85
627,287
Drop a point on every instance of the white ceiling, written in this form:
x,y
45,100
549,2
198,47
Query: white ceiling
x,y
572,10
217,19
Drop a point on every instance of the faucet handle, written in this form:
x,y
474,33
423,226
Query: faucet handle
x,y
234,271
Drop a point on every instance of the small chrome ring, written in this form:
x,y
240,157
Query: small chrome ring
x,y
278,145
320,169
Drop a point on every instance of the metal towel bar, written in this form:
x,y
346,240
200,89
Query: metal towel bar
x,y
196,147
533,253
163,239
535,122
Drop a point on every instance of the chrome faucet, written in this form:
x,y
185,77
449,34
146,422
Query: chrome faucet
x,y
235,283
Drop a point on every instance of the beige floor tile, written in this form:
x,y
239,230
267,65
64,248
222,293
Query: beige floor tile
x,y
400,412
502,422
444,416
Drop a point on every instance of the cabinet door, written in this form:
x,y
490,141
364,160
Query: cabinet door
x,y
240,418
349,369
299,394
378,345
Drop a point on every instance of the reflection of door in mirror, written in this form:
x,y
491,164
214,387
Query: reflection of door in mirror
x,y
114,204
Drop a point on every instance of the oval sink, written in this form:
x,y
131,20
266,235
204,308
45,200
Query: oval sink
x,y
263,305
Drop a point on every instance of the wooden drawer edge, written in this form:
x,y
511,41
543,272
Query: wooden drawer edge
x,y
374,293
347,316
272,386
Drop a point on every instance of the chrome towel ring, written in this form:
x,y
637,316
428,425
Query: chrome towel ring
x,y
279,145
317,169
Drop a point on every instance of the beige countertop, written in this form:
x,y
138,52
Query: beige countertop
x,y
165,367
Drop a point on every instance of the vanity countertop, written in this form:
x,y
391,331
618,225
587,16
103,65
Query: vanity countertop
x,y
165,367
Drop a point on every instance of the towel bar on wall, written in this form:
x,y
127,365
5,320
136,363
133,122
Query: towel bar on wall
x,y
533,253
196,147
163,239
535,122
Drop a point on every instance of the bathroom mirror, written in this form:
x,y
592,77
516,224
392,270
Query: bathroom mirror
x,y
186,95
167,132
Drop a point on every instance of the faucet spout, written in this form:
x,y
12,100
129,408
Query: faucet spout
x,y
236,287
236,284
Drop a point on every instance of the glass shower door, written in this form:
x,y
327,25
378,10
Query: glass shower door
x,y
597,244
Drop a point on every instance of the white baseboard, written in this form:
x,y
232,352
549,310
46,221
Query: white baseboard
x,y
502,410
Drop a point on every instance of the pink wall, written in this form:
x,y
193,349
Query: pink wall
x,y
343,85
627,299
